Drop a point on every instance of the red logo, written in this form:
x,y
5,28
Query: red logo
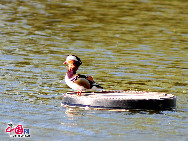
x,y
18,131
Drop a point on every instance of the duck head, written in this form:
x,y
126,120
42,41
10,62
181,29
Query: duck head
x,y
73,62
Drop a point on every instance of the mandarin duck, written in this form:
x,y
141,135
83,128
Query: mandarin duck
x,y
75,81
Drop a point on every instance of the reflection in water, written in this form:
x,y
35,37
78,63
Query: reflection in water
x,y
76,111
125,45
73,112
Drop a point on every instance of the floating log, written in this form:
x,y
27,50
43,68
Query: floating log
x,y
135,100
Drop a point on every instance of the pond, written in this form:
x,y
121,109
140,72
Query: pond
x,y
124,45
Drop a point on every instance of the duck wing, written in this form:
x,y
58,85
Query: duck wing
x,y
90,80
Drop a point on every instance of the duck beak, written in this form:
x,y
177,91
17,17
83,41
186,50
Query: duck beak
x,y
65,62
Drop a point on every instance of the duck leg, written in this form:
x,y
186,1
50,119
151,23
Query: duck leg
x,y
79,93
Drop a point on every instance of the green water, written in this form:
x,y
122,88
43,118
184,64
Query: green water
x,y
124,45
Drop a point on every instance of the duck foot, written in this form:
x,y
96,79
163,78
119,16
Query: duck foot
x,y
79,93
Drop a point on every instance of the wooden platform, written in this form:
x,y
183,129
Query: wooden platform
x,y
136,100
